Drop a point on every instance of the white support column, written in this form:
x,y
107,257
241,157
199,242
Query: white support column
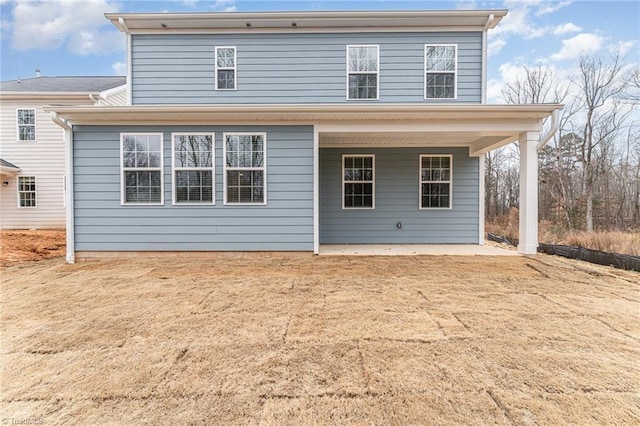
x,y
528,193
316,190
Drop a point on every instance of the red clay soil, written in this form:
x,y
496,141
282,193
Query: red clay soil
x,y
18,246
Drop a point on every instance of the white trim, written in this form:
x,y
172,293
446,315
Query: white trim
x,y
35,121
150,169
483,70
450,181
454,72
373,181
129,80
225,168
481,195
174,199
376,73
234,68
528,219
35,192
316,190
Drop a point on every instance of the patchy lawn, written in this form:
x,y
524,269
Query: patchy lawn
x,y
272,340
25,245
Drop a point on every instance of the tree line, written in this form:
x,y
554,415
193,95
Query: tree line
x,y
589,173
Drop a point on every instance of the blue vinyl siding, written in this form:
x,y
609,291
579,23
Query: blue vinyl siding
x,y
396,192
292,68
284,224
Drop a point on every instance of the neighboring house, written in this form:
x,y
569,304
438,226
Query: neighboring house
x,y
32,146
284,131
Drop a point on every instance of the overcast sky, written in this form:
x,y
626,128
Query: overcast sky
x,y
72,37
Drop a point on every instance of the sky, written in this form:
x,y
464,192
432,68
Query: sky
x,y
72,37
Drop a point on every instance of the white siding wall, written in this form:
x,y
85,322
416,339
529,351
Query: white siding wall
x,y
116,98
42,158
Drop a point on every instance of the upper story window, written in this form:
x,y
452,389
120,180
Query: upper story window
x,y
435,181
358,181
193,163
441,66
245,168
26,191
26,121
226,68
141,168
362,72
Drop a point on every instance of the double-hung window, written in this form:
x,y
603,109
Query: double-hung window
x,y
26,191
142,180
245,166
435,181
226,68
26,121
193,168
362,72
358,181
441,66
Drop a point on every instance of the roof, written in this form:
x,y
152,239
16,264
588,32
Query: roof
x,y
7,167
480,127
304,113
348,21
62,84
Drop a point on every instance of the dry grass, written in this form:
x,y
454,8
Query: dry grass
x,y
321,340
549,233
25,245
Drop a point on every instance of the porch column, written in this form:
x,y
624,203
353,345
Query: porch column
x,y
528,193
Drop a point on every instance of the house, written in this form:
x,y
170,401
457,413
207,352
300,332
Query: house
x,y
282,131
32,146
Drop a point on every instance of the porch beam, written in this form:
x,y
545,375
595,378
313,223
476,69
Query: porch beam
x,y
479,149
528,193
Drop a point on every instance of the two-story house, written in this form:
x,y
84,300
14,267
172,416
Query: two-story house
x,y
284,131
32,164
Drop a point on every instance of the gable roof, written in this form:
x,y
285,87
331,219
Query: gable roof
x,y
350,21
88,84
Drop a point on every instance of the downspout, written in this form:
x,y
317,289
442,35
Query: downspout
x,y
122,26
555,124
484,59
68,159
483,100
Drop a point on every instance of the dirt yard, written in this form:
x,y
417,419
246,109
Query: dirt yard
x,y
296,340
25,245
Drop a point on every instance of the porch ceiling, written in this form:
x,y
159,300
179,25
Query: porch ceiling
x,y
410,139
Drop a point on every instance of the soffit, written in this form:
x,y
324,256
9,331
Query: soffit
x,y
248,22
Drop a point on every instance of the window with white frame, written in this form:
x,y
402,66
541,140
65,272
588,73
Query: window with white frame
x,y
245,168
362,72
26,121
193,168
435,181
142,168
441,65
225,68
26,191
358,181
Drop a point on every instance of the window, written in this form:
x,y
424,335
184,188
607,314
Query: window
x,y
435,181
358,181
142,168
441,65
26,191
245,168
362,72
26,119
225,68
193,163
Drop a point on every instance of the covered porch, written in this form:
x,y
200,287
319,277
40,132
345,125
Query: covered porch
x,y
398,145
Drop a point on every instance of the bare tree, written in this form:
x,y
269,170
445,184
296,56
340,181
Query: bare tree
x,y
599,81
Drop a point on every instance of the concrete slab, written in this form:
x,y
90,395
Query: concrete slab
x,y
413,250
